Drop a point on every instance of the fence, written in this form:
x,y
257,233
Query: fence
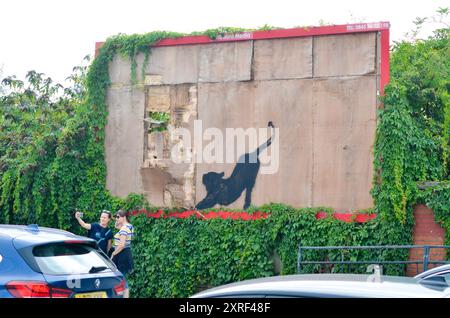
x,y
379,254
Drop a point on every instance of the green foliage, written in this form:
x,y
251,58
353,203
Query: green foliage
x,y
413,137
33,120
162,117
221,31
423,70
178,257
174,257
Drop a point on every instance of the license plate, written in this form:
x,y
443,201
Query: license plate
x,y
92,295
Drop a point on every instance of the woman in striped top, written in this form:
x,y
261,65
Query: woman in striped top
x,y
122,255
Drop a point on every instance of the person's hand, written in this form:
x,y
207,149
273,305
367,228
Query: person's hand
x,y
77,214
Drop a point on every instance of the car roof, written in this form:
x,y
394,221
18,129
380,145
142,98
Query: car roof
x,y
23,235
328,285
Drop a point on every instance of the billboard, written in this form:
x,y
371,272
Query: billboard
x,y
256,117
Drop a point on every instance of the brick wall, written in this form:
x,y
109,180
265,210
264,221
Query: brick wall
x,y
426,232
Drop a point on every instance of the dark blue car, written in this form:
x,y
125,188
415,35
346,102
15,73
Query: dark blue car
x,y
37,262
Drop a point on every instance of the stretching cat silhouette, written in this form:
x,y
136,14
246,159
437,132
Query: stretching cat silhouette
x,y
225,191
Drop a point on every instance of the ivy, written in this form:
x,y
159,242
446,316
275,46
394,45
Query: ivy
x,y
412,140
178,257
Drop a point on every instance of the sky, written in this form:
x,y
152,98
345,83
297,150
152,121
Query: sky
x,y
53,36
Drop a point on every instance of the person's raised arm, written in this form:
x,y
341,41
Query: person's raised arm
x,y
83,224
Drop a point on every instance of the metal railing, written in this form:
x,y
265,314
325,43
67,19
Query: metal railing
x,y
425,262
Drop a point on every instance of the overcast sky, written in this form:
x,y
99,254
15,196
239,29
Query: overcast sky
x,y
52,36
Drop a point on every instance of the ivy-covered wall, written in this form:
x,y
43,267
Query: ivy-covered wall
x,y
413,137
177,257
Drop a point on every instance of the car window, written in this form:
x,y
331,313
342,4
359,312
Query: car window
x,y
442,278
447,277
63,259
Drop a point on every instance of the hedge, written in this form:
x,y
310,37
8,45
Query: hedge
x,y
176,257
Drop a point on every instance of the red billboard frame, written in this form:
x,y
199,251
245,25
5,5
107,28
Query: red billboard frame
x,y
381,27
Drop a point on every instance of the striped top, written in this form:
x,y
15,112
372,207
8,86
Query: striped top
x,y
127,230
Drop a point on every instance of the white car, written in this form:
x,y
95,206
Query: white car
x,y
331,286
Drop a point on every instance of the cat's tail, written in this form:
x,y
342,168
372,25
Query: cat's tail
x,y
269,141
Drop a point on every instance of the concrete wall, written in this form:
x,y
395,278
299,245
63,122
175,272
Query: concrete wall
x,y
321,92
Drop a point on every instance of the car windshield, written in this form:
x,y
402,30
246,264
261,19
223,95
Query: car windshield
x,y
63,259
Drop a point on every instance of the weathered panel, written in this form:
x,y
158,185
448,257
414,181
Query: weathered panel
x,y
158,98
288,104
175,64
166,182
124,139
246,105
154,182
226,62
120,70
201,63
283,58
222,106
341,55
344,115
